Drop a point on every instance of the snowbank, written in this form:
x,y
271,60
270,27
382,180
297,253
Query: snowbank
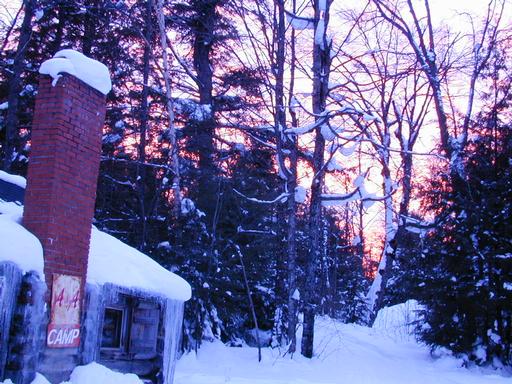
x,y
91,374
90,71
399,321
20,181
344,354
98,374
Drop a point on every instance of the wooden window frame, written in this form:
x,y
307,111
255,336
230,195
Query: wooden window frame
x,y
129,305
122,328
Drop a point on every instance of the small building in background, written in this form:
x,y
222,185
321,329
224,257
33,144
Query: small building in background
x,y
69,293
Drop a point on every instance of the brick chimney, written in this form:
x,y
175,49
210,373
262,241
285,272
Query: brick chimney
x,y
63,172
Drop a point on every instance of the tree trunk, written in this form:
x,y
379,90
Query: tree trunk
x,y
59,33
378,289
90,22
174,155
286,275
204,127
321,70
251,303
144,118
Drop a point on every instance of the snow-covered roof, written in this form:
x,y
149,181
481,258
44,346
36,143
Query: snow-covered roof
x,y
90,71
110,260
19,246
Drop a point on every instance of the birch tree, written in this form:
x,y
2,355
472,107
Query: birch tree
x,y
433,57
386,82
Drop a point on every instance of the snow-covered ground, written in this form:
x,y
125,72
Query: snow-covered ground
x,y
91,374
345,354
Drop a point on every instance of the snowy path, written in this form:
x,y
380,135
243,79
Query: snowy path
x,y
346,354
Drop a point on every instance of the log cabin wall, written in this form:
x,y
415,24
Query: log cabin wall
x,y
27,331
10,281
124,329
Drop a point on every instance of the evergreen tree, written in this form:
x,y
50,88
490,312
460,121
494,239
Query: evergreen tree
x,y
406,274
205,29
13,122
48,26
467,290
219,307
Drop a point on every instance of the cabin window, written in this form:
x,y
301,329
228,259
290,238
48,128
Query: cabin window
x,y
112,328
130,329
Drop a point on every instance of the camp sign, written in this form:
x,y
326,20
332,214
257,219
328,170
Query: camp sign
x,y
64,327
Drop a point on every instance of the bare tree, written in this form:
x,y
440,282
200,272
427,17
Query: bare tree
x,y
292,147
8,22
271,56
388,84
143,128
435,64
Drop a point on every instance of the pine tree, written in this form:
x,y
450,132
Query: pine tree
x,y
47,27
468,290
205,29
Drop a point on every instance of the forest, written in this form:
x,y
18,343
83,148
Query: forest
x,y
297,158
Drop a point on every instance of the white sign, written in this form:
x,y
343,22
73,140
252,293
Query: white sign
x,y
64,327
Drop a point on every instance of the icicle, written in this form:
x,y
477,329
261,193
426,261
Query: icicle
x,y
173,323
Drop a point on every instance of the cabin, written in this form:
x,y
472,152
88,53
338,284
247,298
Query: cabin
x,y
69,293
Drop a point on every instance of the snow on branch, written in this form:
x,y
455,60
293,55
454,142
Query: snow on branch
x,y
328,114
300,194
193,109
279,199
358,194
336,199
136,162
304,129
255,231
414,225
299,23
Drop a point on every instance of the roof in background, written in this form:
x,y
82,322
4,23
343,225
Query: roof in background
x,y
12,188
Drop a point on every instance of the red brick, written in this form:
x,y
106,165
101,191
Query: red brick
x,y
63,172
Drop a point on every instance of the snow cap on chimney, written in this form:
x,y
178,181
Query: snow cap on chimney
x,y
90,71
